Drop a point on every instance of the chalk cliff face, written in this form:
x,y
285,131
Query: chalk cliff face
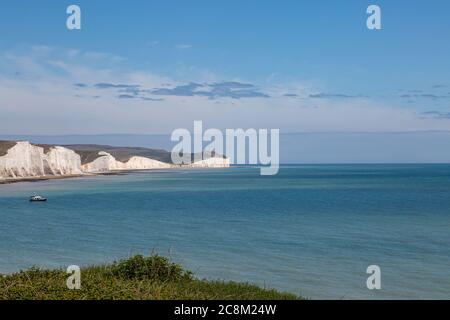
x,y
107,162
63,161
24,160
27,160
214,162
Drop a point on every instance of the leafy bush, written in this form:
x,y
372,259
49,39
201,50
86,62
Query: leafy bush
x,y
155,268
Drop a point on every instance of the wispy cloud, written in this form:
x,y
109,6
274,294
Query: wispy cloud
x,y
80,85
424,96
183,46
335,96
100,56
215,90
105,85
187,90
126,96
235,90
436,114
151,99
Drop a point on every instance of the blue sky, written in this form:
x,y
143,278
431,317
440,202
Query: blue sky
x,y
151,66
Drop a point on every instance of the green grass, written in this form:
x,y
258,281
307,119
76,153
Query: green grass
x,y
137,278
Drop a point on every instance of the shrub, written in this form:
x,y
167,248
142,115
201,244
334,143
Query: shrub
x,y
155,268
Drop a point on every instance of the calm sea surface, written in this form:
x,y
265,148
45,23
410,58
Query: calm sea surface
x,y
310,230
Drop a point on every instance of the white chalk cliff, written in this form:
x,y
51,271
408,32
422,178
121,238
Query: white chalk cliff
x,y
107,162
24,160
214,162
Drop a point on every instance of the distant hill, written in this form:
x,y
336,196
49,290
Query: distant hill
x,y
89,152
5,146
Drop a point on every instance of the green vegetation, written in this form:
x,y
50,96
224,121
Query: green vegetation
x,y
139,277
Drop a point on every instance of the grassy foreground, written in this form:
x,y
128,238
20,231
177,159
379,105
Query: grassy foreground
x,y
138,277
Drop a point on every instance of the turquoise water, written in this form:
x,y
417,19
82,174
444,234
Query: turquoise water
x,y
310,230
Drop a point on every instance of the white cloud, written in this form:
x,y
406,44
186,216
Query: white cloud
x,y
38,96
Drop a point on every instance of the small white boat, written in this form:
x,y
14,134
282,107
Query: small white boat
x,y
37,199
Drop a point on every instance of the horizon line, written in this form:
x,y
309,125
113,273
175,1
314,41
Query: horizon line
x,y
281,133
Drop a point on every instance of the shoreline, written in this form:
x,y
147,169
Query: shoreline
x,y
107,173
72,176
42,178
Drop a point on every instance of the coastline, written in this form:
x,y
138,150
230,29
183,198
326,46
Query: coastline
x,y
24,161
91,174
72,176
42,178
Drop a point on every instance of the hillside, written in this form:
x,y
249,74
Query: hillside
x,y
136,278
5,146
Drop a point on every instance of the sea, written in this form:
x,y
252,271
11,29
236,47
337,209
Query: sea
x,y
312,230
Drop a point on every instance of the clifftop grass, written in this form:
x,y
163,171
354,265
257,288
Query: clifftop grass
x,y
138,277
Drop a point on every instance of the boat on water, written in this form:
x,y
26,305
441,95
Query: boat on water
x,y
37,199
